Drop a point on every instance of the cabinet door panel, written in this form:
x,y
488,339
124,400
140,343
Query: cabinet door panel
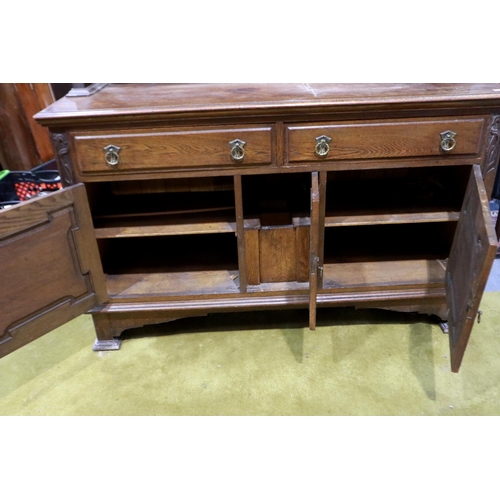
x,y
49,266
314,250
471,257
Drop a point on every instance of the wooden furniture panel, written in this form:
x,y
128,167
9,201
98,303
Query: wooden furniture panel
x,y
172,149
398,139
277,254
373,232
302,238
50,267
24,144
471,257
135,103
314,252
252,255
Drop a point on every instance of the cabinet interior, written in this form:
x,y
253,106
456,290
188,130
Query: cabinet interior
x,y
276,199
168,237
395,195
163,207
382,227
391,227
170,265
387,255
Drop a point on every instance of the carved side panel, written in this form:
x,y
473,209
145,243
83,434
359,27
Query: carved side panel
x,y
63,157
492,156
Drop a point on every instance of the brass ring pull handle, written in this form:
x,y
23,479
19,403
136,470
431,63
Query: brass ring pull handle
x,y
448,141
112,155
322,145
237,149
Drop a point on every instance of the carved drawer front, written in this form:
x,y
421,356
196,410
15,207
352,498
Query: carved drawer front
x,y
143,150
387,139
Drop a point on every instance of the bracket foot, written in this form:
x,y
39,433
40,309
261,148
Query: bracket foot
x,y
107,345
444,326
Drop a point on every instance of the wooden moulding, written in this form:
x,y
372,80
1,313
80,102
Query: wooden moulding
x,y
118,103
110,325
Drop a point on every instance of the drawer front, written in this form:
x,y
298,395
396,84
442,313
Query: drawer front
x,y
171,149
395,139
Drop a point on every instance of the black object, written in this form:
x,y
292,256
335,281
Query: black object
x,y
20,186
496,186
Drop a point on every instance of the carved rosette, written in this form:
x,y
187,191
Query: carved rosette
x,y
61,146
492,153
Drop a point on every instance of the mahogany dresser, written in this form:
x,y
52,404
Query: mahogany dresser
x,y
187,199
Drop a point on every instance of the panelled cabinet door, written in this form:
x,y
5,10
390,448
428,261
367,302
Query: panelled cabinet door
x,y
50,268
318,192
471,257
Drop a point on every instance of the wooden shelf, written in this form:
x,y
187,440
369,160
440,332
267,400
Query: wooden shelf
x,y
157,225
172,284
390,218
388,242
398,196
424,272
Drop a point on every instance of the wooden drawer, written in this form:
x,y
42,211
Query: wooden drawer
x,y
144,150
388,139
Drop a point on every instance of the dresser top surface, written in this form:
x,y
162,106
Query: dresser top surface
x,y
153,100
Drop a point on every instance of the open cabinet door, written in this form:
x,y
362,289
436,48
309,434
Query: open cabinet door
x,y
318,193
50,268
471,257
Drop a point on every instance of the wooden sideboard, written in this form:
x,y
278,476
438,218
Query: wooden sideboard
x,y
183,200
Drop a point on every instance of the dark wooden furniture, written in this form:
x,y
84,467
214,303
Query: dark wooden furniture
x,y
188,199
24,144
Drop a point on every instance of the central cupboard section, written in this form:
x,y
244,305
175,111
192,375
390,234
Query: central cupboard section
x,y
299,233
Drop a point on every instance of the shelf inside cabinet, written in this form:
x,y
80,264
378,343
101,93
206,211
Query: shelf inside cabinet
x,y
405,255
419,273
163,209
166,225
171,265
350,244
390,218
172,284
395,196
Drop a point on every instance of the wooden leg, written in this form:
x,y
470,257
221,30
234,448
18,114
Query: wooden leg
x,y
106,334
109,327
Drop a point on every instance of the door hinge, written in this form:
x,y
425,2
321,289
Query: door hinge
x,y
314,267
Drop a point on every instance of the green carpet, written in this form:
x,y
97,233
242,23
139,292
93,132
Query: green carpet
x,y
364,362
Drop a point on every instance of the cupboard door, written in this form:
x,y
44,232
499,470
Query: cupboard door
x,y
49,266
318,191
471,257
